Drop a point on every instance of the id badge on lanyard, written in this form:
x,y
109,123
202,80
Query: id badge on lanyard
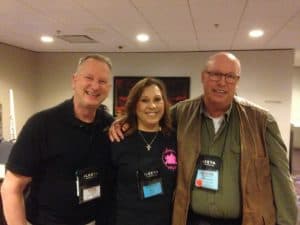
x,y
88,184
208,172
149,183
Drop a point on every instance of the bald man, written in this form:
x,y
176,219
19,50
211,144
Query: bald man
x,y
232,163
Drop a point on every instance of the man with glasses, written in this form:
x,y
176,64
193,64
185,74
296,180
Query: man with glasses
x,y
232,163
62,153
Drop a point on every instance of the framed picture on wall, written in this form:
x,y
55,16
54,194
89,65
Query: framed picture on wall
x,y
178,89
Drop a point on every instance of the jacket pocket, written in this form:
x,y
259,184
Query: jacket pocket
x,y
262,167
258,175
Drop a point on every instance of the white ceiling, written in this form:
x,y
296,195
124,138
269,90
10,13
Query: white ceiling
x,y
173,25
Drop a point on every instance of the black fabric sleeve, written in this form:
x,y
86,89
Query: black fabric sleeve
x,y
25,155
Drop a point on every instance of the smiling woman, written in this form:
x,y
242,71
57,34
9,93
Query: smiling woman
x,y
178,89
145,161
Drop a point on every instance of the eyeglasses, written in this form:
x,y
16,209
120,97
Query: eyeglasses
x,y
216,76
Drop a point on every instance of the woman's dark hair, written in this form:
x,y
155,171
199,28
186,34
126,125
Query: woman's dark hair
x,y
135,93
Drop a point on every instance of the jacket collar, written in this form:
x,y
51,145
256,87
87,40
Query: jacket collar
x,y
203,110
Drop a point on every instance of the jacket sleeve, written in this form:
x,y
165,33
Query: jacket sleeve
x,y
173,114
282,183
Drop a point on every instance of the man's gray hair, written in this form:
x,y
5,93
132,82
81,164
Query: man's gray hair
x,y
97,57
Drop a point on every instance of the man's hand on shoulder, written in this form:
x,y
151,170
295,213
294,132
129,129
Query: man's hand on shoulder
x,y
116,131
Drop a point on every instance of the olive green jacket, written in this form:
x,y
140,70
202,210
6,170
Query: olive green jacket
x,y
257,197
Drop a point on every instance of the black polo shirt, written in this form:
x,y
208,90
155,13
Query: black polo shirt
x,y
51,147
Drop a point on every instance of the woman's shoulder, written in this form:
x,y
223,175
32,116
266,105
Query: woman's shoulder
x,y
126,142
170,136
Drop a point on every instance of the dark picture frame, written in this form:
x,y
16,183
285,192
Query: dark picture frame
x,y
178,89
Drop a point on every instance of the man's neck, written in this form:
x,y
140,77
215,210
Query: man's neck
x,y
215,113
214,110
86,115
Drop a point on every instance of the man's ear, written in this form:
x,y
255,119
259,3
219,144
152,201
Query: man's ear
x,y
237,83
73,80
202,76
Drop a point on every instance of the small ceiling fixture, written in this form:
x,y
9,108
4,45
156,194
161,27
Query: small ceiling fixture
x,y
46,39
76,38
256,33
142,37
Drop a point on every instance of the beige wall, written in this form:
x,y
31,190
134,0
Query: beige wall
x,y
266,77
296,97
17,71
296,107
263,73
56,70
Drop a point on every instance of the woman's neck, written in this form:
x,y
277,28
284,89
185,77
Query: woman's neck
x,y
149,128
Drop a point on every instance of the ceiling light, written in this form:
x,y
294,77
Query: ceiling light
x,y
142,37
46,39
256,33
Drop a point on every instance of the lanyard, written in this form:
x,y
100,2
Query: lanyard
x,y
226,134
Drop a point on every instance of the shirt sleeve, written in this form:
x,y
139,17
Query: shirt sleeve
x,y
25,154
282,184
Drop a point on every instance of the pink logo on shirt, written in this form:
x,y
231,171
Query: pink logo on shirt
x,y
169,159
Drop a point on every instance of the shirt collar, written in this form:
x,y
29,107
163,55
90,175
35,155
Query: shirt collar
x,y
203,111
69,114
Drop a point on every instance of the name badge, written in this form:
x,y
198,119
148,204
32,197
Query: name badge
x,y
208,173
149,184
88,184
